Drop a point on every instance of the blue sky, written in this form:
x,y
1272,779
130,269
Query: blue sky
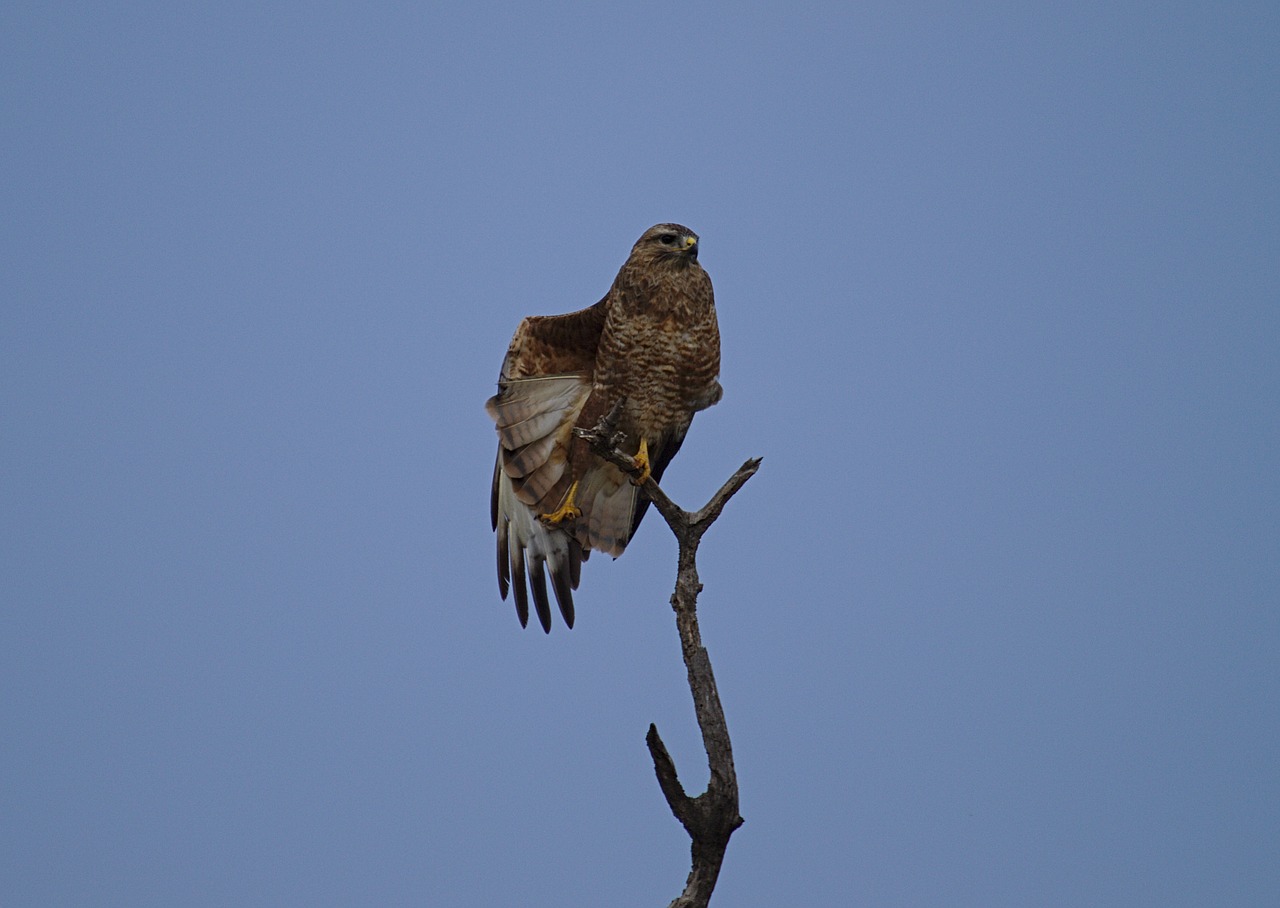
x,y
995,625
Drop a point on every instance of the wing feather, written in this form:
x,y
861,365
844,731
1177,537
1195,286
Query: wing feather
x,y
538,586
551,344
545,381
522,592
532,408
522,461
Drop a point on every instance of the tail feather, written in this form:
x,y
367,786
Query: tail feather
x,y
607,499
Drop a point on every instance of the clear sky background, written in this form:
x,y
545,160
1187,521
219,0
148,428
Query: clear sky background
x,y
999,287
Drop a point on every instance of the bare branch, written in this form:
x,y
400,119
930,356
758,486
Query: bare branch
x,y
711,510
681,804
711,817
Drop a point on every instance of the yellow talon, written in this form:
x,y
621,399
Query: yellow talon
x,y
642,463
565,512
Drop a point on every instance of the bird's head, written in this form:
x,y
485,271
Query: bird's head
x,y
671,244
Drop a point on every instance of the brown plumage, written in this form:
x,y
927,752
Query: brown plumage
x,y
653,342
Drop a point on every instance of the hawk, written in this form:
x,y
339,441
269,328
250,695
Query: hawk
x,y
652,343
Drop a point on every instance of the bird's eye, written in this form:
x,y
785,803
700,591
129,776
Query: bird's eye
x,y
667,239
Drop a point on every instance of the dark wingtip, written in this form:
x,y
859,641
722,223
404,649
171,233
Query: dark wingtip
x,y
522,593
560,581
493,494
538,585
576,556
504,562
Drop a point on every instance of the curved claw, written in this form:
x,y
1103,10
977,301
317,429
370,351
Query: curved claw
x,y
642,464
565,513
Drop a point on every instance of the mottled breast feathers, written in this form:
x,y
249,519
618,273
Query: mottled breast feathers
x,y
652,342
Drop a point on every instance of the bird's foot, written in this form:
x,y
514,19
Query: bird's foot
x,y
642,464
565,513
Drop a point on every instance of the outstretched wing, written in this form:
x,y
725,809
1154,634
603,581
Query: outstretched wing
x,y
546,379
535,418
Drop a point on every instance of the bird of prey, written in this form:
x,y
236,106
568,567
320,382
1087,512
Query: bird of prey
x,y
652,343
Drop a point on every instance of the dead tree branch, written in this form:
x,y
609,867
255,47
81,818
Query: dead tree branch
x,y
711,817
